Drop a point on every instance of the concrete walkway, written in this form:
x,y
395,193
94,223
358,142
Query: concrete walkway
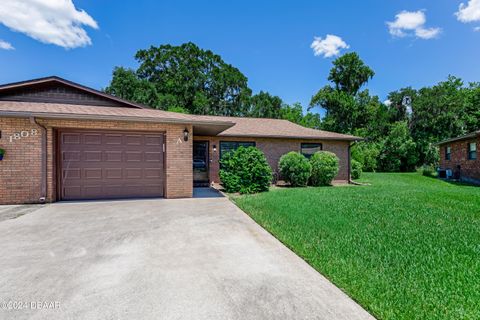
x,y
196,259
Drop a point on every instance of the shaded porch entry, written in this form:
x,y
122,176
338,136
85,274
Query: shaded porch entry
x,y
200,164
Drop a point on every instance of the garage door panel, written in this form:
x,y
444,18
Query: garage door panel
x,y
133,173
91,138
92,155
72,192
113,139
133,140
102,165
152,173
153,140
71,155
93,173
133,156
113,156
114,173
153,156
75,173
91,192
70,138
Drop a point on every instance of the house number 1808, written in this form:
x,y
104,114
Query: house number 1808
x,y
23,134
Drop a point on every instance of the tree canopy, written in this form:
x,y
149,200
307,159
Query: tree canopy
x,y
264,105
402,136
185,76
347,108
294,113
189,79
349,73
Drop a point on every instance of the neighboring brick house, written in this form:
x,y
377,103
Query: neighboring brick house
x,y
459,158
64,141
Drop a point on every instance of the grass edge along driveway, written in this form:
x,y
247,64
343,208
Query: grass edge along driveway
x,y
405,247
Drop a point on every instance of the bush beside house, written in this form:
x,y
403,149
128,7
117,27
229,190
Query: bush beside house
x,y
355,169
295,169
299,171
324,168
245,170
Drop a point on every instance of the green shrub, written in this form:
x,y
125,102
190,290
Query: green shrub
x,y
355,169
429,171
367,154
324,168
245,170
398,150
295,169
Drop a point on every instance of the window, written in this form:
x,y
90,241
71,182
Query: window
x,y
227,146
448,152
472,151
308,149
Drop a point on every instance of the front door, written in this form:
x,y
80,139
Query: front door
x,y
200,163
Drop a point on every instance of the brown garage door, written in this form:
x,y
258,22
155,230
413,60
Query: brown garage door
x,y
110,164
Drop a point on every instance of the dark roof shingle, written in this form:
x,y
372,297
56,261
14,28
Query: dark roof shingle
x,y
278,128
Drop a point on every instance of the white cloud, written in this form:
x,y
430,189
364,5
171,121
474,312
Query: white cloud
x,y
412,23
328,47
469,12
49,21
476,29
6,45
427,33
387,102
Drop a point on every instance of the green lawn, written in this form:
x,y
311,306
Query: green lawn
x,y
405,247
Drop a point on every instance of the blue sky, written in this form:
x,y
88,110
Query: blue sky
x,y
269,41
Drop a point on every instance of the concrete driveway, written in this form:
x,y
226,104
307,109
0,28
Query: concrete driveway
x,y
156,259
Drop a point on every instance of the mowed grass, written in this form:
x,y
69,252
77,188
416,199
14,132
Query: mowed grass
x,y
405,247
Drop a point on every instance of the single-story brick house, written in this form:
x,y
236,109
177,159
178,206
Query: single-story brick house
x,y
459,159
65,141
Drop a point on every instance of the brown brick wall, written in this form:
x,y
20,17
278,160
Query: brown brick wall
x,y
20,173
274,149
469,169
20,168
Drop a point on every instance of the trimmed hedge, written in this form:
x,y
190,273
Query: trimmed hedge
x,y
245,170
324,168
295,169
355,169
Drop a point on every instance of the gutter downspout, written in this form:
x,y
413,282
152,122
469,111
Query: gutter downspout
x,y
349,164
43,168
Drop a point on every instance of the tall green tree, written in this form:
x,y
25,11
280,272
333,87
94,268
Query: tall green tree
x,y
347,108
264,105
185,76
350,73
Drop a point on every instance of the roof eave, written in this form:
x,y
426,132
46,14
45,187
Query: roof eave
x,y
47,115
353,138
14,85
467,136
